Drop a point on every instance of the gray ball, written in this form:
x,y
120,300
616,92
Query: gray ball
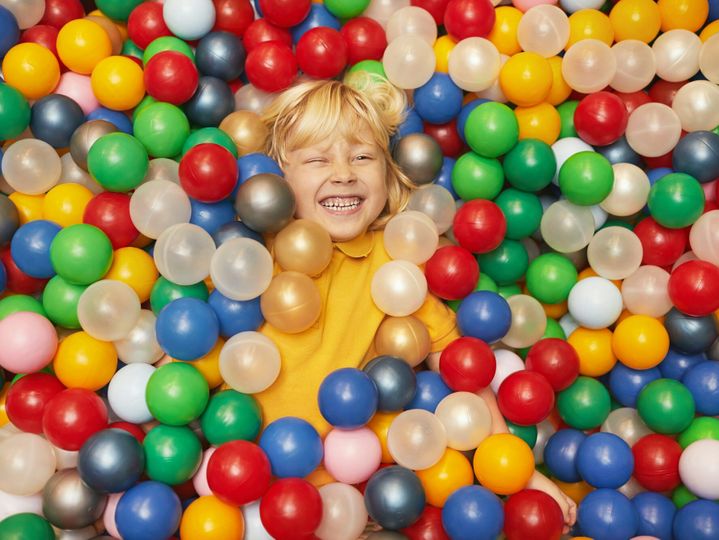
x,y
9,220
265,203
713,352
221,55
85,136
212,101
419,156
111,461
55,118
395,380
69,503
394,497
692,335
620,152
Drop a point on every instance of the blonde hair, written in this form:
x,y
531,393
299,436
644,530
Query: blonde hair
x,y
311,111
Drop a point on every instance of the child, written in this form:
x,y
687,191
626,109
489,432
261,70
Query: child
x,y
332,142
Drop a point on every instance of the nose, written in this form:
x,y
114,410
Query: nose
x,y
342,172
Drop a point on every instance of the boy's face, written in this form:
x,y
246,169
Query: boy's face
x,y
339,184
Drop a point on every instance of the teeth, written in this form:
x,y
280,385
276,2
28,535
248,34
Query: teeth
x,y
341,203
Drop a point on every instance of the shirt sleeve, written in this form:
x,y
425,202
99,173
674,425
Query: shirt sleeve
x,y
440,321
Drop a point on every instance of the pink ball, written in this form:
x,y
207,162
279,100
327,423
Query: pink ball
x,y
199,481
108,516
29,342
77,87
524,5
351,456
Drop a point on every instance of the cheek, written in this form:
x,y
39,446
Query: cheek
x,y
304,194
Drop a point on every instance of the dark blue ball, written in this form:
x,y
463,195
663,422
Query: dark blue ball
x,y
187,328
431,389
394,497
236,316
439,100
656,515
702,381
395,381
9,31
211,216
620,152
348,398
473,513
235,229
55,118
412,124
676,363
560,454
698,520
444,178
148,511
119,119
293,447
625,383
30,248
212,101
697,154
606,514
221,55
484,315
111,461
604,460
3,278
318,16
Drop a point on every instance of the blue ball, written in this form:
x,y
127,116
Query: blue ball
x,y
560,454
444,178
235,316
348,398
676,363
119,119
293,447
3,278
702,381
394,497
464,114
395,380
438,100
698,520
211,216
235,229
412,124
713,11
606,514
625,383
657,174
431,389
9,31
187,328
30,248
604,460
484,315
656,514
148,511
473,513
251,164
318,16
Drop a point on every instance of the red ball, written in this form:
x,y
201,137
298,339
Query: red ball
x,y
556,360
171,77
233,16
17,280
665,160
285,13
271,66
42,34
365,39
632,100
661,246
291,509
525,398
656,462
260,31
447,137
664,91
132,429
27,397
436,8
73,416
208,172
428,526
452,272
533,514
110,212
321,52
694,288
238,472
60,12
146,23
600,118
479,226
467,364
469,18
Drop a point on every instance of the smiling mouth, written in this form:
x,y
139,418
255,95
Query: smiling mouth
x,y
342,205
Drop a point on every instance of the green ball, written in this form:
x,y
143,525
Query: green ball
x,y
370,66
172,454
81,254
507,263
130,48
118,10
231,416
167,43
20,302
586,178
486,283
703,427
454,304
550,277
681,496
666,406
530,165
165,291
144,104
566,119
209,135
676,200
118,162
177,394
511,289
162,129
60,299
477,177
553,330
522,210
617,223
585,404
345,9
527,433
492,129
26,526
14,112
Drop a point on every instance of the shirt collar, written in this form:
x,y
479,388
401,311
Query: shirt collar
x,y
358,247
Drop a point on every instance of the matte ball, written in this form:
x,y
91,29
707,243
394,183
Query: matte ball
x,y
395,380
394,497
265,203
68,503
212,101
221,55
111,461
419,156
55,118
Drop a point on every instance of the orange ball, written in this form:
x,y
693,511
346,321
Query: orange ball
x,y
503,463
640,342
81,361
81,44
450,473
635,19
539,122
594,348
380,426
504,31
208,518
118,83
683,14
590,24
526,79
31,69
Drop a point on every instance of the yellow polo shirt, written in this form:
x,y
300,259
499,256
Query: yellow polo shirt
x,y
344,333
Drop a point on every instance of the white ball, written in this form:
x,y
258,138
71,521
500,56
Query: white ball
x,y
507,363
189,19
699,468
568,324
595,302
126,393
570,6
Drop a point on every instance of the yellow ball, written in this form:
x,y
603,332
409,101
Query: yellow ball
x,y
65,204
683,14
380,426
594,348
209,365
29,207
503,463
450,473
81,44
640,342
504,31
31,69
442,48
3,400
539,122
590,24
208,518
134,267
526,79
560,90
709,30
575,491
635,19
82,361
118,83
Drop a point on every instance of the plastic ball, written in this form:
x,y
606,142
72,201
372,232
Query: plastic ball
x,y
126,393
313,52
22,523
26,399
399,288
475,509
82,44
84,362
532,513
249,362
484,315
666,406
290,507
69,503
409,61
585,404
172,454
567,227
271,66
27,462
451,272
503,463
526,79
525,398
605,510
451,473
55,118
560,454
157,205
640,342
171,77
181,323
31,69
14,112
72,416
474,64
691,288
692,335
208,517
698,519
588,66
605,461
30,342
635,19
176,394
464,19
189,20
351,456
31,166
406,503
221,55
30,248
635,66
656,459
111,461
211,102
595,302
530,165
162,128
238,472
672,45
118,83
148,510
365,38
466,420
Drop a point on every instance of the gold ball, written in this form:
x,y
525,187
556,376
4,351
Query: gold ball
x,y
247,131
291,303
303,246
404,337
